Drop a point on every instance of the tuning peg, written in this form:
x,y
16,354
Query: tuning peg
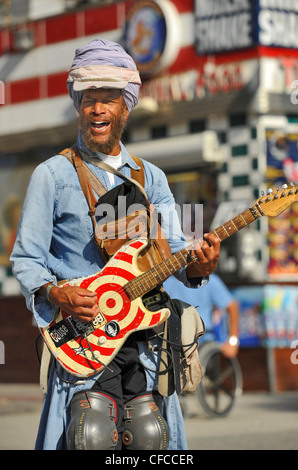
x,y
277,189
262,193
284,186
269,191
292,186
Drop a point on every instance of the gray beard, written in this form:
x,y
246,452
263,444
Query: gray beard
x,y
106,147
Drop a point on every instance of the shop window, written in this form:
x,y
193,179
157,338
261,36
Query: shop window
x,y
222,137
238,120
159,132
198,125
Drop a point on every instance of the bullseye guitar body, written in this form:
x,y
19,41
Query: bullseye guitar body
x,y
86,348
83,349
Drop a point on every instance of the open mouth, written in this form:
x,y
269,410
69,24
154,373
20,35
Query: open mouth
x,y
100,125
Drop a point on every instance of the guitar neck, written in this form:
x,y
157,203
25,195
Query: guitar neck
x,y
162,271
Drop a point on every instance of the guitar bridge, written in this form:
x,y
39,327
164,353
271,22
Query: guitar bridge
x,y
79,328
83,328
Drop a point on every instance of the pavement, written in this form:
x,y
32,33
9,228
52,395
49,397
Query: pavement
x,y
20,408
258,421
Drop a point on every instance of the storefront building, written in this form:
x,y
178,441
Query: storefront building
x,y
218,112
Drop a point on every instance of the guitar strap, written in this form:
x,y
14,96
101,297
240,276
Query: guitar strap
x,y
169,372
89,181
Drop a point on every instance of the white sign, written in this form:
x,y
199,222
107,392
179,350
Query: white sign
x,y
223,25
278,23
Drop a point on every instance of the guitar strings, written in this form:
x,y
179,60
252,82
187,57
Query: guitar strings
x,y
148,277
132,287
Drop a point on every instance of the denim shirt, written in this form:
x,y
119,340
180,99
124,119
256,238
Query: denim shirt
x,y
55,241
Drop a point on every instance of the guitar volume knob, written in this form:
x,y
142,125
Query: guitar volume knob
x,y
101,340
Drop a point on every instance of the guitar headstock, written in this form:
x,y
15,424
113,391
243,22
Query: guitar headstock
x,y
276,202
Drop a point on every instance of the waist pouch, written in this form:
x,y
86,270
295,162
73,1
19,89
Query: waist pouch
x,y
180,368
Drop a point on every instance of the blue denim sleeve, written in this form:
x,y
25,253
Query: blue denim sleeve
x,y
31,249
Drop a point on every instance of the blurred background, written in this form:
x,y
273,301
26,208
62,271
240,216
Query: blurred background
x,y
217,112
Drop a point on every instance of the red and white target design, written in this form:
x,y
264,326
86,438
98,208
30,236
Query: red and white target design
x,y
119,316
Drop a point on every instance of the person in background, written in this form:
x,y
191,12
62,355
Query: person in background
x,y
213,295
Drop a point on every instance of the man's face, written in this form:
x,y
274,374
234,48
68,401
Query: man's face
x,y
103,117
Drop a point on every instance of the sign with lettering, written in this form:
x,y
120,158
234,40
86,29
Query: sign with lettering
x,y
278,23
208,80
238,24
224,25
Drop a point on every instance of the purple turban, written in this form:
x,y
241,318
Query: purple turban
x,y
103,64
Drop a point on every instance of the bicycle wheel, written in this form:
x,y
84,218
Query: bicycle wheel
x,y
222,381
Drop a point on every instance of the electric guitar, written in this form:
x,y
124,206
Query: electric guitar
x,y
84,349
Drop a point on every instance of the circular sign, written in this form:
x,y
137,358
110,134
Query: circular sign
x,y
152,35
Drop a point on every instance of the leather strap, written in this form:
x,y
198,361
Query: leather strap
x,y
44,368
84,181
169,378
139,179
91,182
95,183
138,175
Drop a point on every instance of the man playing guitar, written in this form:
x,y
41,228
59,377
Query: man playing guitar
x,y
55,242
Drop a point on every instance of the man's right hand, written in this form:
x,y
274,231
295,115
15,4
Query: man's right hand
x,y
76,301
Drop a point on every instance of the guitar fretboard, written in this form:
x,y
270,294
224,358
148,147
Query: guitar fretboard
x,y
159,273
237,223
156,275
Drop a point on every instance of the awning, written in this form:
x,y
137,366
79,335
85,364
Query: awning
x,y
178,151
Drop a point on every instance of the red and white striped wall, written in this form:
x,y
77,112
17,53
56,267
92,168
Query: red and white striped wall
x,y
35,81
